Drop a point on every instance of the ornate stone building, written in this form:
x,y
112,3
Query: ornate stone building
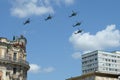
x,y
13,64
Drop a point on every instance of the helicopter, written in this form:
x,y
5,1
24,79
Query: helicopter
x,y
79,31
27,21
48,18
77,24
73,14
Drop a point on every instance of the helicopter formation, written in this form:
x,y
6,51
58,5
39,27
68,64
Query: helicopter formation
x,y
49,17
77,24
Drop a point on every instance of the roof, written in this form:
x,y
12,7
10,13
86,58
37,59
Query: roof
x,y
94,73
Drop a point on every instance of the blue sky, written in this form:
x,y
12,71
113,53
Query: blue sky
x,y
53,50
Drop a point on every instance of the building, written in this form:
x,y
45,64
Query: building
x,y
13,64
95,76
101,61
100,65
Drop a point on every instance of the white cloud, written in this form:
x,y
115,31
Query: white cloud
x,y
105,39
34,68
66,2
48,69
69,1
76,55
25,8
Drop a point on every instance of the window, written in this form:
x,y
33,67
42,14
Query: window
x,y
14,70
109,69
9,56
112,60
105,59
118,56
116,70
15,56
106,69
95,59
20,57
0,54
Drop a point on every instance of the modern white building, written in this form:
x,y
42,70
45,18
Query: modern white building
x,y
100,65
100,61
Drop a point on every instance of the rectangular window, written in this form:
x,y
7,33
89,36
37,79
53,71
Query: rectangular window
x,y
0,54
14,70
15,56
95,59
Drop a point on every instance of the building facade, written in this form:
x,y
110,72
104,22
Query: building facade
x,y
13,64
100,65
101,61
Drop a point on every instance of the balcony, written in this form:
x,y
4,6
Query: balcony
x,y
15,76
15,62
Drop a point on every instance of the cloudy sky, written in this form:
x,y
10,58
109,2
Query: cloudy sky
x,y
53,50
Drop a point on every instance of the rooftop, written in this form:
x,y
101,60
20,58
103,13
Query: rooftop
x,y
94,73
